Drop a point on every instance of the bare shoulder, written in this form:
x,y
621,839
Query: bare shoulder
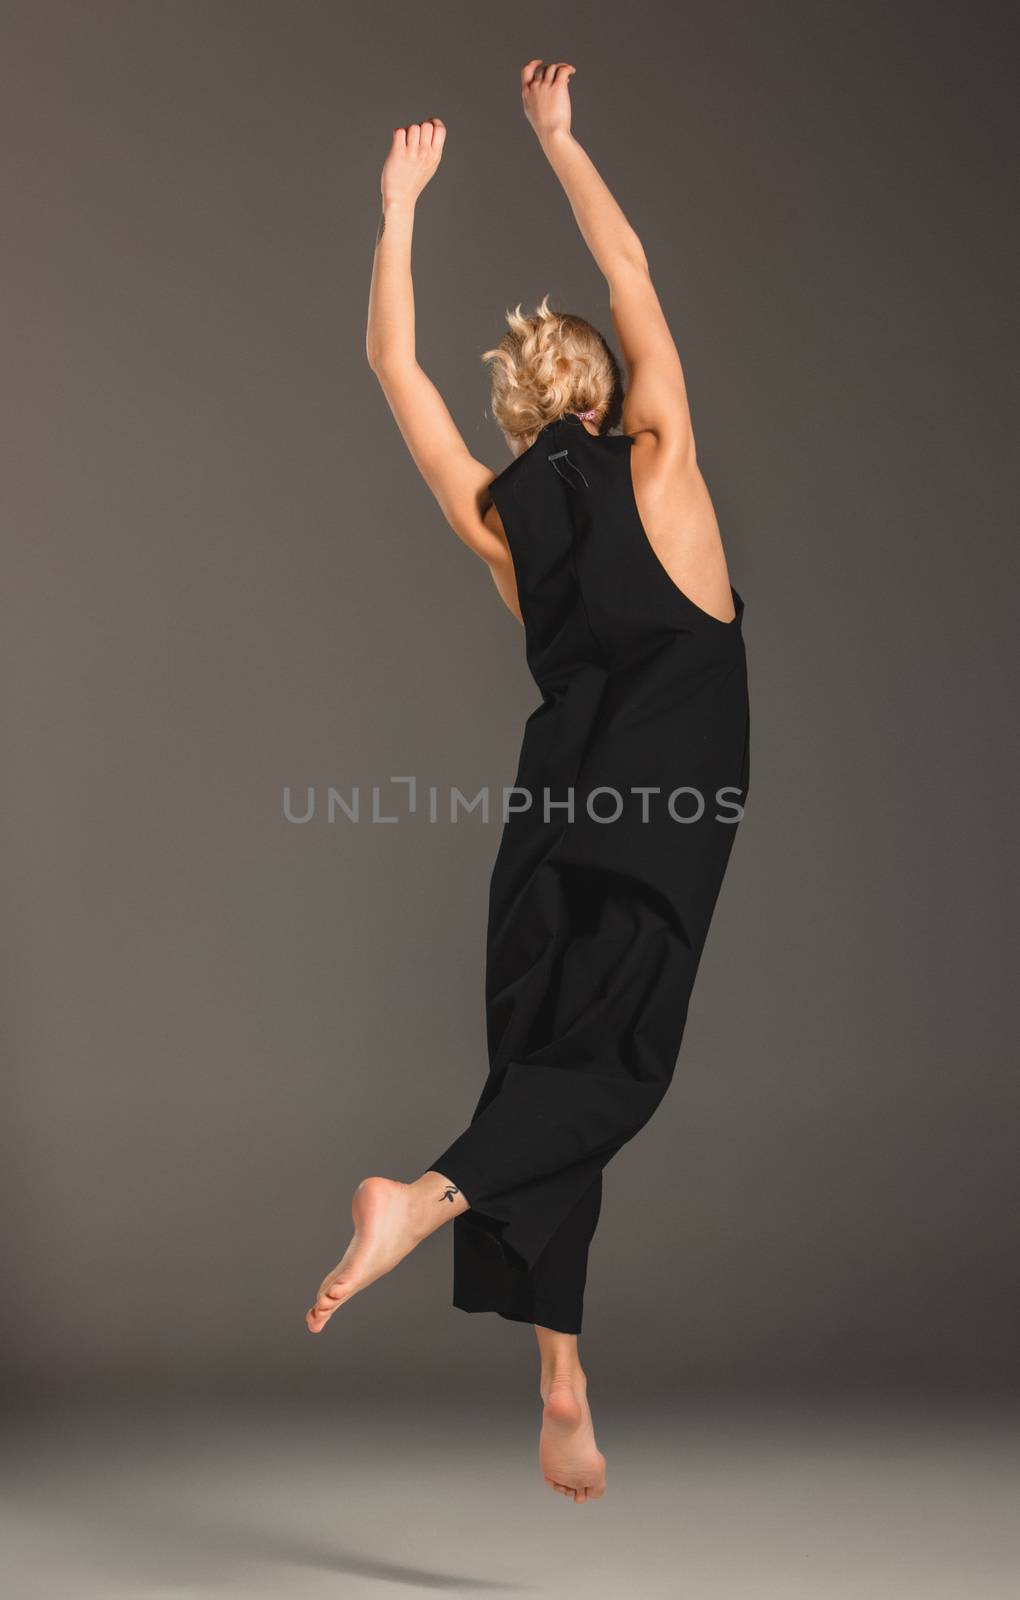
x,y
679,521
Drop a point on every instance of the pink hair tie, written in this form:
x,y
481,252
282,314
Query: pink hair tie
x,y
587,416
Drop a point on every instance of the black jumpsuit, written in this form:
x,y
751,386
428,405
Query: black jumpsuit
x,y
632,775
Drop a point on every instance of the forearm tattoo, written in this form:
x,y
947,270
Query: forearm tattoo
x,y
449,1192
382,227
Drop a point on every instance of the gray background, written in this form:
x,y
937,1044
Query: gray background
x,y
225,577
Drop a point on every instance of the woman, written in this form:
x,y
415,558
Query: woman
x,y
631,776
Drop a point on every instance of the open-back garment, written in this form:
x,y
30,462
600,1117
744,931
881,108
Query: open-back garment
x,y
635,769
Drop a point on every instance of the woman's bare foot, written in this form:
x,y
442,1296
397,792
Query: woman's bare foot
x,y
570,1460
389,1220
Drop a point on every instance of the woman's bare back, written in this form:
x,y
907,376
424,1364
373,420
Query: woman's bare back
x,y
679,521
676,513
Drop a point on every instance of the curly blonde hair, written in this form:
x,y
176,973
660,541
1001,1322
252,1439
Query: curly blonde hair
x,y
547,364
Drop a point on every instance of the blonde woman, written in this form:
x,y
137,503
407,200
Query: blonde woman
x,y
632,774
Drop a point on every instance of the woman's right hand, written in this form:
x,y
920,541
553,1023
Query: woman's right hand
x,y
545,90
414,156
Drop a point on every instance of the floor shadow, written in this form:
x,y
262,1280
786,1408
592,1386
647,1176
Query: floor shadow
x,y
289,1550
174,1543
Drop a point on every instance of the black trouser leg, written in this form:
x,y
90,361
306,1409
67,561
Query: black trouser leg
x,y
489,1277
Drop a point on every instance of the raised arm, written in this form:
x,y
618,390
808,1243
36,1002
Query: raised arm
x,y
457,480
656,396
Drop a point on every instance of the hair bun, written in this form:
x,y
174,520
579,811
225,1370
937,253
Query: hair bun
x,y
545,365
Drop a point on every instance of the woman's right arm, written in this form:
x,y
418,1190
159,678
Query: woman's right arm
x,y
437,447
656,396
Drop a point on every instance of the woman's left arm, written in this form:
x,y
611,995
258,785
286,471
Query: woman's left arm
x,y
437,447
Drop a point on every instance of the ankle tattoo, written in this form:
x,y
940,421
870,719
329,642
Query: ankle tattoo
x,y
448,1193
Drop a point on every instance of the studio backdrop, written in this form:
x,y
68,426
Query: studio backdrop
x,y
228,593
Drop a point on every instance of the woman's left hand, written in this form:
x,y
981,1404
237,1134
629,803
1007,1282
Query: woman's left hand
x,y
545,91
414,156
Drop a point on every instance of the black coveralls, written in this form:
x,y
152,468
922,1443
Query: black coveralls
x,y
632,773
